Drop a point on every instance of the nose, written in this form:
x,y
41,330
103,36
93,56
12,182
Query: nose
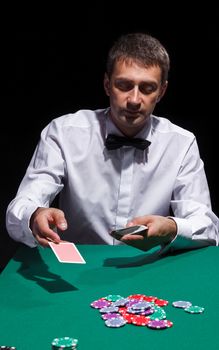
x,y
134,98
134,95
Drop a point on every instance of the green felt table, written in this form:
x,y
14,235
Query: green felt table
x,y
41,299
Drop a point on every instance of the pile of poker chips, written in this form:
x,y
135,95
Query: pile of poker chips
x,y
139,310
136,309
65,343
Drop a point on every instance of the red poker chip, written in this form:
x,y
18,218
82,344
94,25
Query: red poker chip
x,y
136,296
128,317
140,320
149,298
122,310
161,302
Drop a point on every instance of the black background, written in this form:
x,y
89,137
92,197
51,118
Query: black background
x,y
49,70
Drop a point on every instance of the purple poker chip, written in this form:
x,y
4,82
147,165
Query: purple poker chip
x,y
132,302
110,315
148,312
100,303
159,324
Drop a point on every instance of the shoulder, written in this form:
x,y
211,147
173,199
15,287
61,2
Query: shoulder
x,y
84,118
165,126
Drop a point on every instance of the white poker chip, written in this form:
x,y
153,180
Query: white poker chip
x,y
182,304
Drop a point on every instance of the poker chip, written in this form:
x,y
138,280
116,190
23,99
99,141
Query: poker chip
x,y
161,302
159,314
136,296
182,304
128,317
194,309
142,305
65,343
109,315
159,324
113,297
132,302
116,322
122,310
4,347
148,312
149,298
140,320
131,310
100,303
120,302
108,309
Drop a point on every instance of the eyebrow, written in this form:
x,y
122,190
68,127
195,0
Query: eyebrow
x,y
132,81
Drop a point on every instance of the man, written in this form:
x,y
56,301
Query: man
x,y
159,182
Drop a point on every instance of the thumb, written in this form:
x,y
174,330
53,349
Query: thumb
x,y
60,221
141,220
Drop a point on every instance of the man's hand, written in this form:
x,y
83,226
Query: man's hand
x,y
42,223
161,230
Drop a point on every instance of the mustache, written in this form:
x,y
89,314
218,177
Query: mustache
x,y
128,111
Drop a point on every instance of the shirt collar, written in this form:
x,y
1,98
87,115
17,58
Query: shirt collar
x,y
111,128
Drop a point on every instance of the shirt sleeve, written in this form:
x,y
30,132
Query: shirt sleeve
x,y
197,225
41,183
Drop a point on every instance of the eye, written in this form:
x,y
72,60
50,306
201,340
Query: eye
x,y
147,88
124,85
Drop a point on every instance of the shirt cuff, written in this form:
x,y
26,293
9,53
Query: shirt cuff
x,y
28,238
183,239
180,241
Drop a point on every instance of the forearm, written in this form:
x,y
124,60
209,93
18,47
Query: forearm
x,y
18,217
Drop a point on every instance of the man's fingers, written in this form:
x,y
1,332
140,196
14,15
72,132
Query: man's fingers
x,y
129,237
58,219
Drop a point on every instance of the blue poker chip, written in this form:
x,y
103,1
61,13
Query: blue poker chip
x,y
142,305
120,302
115,322
109,309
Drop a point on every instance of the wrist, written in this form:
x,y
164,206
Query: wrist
x,y
172,228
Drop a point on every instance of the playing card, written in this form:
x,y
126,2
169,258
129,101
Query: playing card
x,y
67,252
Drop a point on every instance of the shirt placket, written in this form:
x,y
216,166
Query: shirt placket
x,y
125,187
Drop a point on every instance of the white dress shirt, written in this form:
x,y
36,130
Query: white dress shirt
x,y
101,190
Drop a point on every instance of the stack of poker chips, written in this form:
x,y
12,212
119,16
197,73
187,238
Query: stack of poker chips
x,y
65,343
139,310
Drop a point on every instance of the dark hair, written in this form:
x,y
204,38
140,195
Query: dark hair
x,y
140,47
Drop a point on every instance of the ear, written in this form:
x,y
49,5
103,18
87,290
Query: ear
x,y
162,91
106,84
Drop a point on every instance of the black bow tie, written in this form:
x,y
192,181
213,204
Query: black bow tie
x,y
115,141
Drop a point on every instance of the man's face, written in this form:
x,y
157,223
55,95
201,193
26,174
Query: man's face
x,y
134,91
